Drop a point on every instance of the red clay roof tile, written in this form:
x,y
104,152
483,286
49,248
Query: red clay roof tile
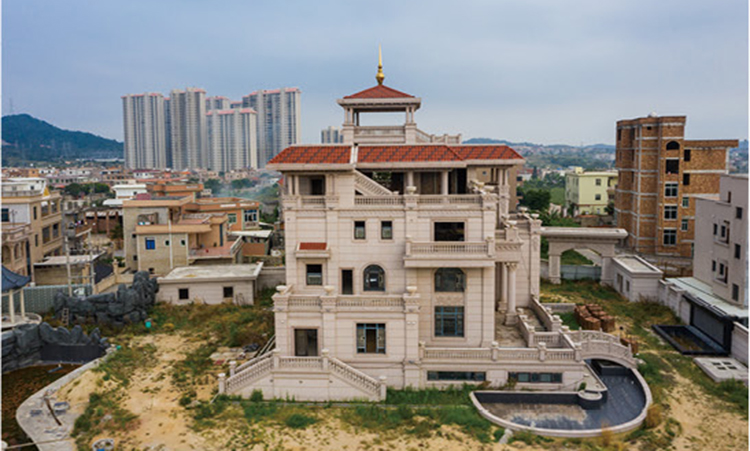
x,y
406,153
313,155
378,92
313,246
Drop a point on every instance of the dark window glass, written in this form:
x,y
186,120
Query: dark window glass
x,y
315,274
450,280
737,251
359,230
476,376
449,231
686,154
347,281
737,213
228,292
670,237
6,215
184,293
374,278
386,230
686,179
317,186
672,166
673,145
735,292
543,378
449,321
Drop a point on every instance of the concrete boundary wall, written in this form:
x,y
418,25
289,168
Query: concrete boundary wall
x,y
271,277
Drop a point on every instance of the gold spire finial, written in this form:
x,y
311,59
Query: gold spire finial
x,y
380,76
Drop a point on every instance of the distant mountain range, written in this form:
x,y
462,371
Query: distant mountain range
x,y
26,138
528,145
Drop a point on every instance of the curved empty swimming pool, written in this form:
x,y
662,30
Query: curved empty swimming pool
x,y
621,407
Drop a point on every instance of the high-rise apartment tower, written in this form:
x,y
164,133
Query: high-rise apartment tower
x,y
278,120
144,122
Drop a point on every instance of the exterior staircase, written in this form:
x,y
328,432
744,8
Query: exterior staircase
x,y
269,371
369,187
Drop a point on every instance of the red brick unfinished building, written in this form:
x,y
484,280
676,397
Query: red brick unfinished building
x,y
660,173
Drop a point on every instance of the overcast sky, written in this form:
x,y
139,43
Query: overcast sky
x,y
542,71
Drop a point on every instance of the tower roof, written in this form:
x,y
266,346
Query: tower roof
x,y
379,92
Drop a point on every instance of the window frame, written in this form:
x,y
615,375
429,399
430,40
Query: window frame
x,y
673,235
186,295
443,315
443,273
149,241
671,187
358,227
685,225
308,274
670,212
383,235
382,279
380,331
231,292
737,251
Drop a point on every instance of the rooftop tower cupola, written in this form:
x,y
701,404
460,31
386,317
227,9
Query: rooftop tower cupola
x,y
383,99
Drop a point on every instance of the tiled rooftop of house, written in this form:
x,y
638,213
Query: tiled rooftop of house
x,y
378,92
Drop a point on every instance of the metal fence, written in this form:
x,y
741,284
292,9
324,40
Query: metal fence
x,y
41,299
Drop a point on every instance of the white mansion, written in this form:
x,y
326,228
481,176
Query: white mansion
x,y
406,267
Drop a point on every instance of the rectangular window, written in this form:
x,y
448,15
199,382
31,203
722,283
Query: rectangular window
x,y
150,244
672,166
737,251
449,321
347,281
34,213
737,213
359,230
251,215
184,293
686,155
627,286
686,179
36,240
598,182
315,274
449,231
317,186
685,225
232,218
670,237
685,202
371,338
735,292
670,212
228,292
6,215
386,230
713,265
716,228
548,378
475,376
670,189
597,197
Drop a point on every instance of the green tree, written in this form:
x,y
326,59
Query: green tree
x,y
101,188
74,189
214,185
536,199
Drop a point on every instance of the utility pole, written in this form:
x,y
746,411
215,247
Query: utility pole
x,y
67,262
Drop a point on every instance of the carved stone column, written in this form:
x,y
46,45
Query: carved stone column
x,y
511,316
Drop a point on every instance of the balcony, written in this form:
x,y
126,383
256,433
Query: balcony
x,y
15,232
227,251
434,254
359,303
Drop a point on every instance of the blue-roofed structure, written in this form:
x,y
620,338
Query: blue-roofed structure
x,y
13,281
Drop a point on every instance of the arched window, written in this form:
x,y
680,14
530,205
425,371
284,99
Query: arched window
x,y
450,280
673,145
374,278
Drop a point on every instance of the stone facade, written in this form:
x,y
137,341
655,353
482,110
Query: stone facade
x,y
403,269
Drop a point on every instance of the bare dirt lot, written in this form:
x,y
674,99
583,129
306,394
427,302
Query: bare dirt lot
x,y
164,424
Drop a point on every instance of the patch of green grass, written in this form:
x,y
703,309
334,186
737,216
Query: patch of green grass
x,y
571,257
528,438
121,366
103,414
421,422
432,396
300,421
569,319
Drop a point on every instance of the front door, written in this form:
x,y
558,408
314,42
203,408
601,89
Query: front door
x,y
305,342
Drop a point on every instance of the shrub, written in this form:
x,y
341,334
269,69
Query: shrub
x,y
653,416
256,396
300,421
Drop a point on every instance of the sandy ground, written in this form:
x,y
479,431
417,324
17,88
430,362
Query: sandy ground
x,y
165,425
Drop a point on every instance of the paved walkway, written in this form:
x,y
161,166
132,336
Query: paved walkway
x,y
37,421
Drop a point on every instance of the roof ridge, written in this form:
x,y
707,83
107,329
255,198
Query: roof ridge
x,y
455,153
